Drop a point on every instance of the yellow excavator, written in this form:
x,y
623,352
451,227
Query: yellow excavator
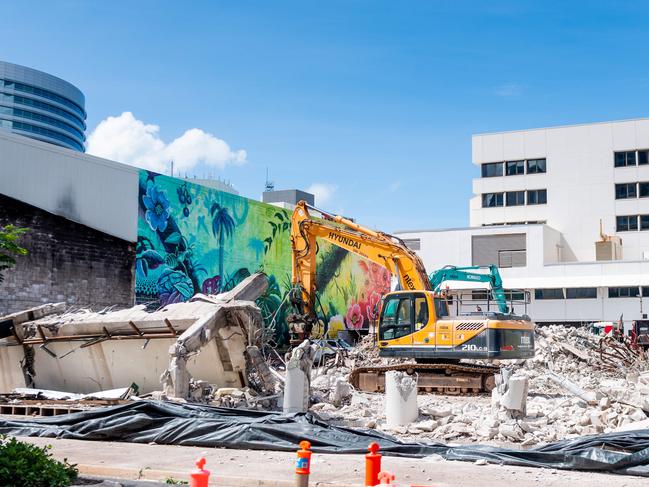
x,y
414,322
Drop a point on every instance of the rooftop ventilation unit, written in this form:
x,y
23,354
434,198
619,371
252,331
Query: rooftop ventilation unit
x,y
609,247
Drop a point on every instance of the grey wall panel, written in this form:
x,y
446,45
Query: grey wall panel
x,y
508,250
98,193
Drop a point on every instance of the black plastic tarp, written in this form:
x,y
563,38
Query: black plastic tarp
x,y
168,423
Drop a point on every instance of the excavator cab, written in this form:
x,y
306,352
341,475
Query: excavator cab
x,y
404,313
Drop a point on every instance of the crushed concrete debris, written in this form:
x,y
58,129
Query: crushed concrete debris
x,y
565,391
577,384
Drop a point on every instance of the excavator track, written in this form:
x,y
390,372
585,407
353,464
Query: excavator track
x,y
443,378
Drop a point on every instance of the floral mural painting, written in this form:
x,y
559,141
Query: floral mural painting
x,y
222,227
192,238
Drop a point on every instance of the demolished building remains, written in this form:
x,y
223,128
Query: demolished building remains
x,y
85,351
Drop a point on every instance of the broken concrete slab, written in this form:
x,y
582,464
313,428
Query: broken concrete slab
x,y
515,397
591,397
83,351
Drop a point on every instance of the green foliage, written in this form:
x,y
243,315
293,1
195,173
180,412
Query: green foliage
x,y
222,222
9,248
173,481
279,224
270,300
23,464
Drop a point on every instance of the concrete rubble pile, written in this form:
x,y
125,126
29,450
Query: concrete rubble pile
x,y
568,389
565,391
213,344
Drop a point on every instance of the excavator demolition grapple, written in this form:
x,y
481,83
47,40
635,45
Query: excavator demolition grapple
x,y
415,323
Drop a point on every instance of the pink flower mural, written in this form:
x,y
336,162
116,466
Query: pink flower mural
x,y
354,317
371,308
377,278
377,283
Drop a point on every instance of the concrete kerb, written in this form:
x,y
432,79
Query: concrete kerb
x,y
215,478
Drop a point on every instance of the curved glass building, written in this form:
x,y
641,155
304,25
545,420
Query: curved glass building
x,y
41,106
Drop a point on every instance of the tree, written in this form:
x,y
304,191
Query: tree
x,y
222,226
9,248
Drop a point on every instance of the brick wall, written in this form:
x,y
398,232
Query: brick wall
x,y
67,261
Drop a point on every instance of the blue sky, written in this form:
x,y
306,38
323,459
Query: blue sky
x,y
377,99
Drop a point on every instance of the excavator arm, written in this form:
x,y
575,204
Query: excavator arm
x,y
468,274
381,248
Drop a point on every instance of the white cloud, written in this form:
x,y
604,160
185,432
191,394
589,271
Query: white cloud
x,y
322,192
508,90
126,139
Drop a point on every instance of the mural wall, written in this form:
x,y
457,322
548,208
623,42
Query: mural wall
x,y
196,239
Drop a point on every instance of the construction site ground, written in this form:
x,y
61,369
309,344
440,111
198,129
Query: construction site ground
x,y
242,468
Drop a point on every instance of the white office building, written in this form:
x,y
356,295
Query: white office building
x,y
564,213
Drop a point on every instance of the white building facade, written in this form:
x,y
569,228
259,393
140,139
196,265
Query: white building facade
x,y
564,213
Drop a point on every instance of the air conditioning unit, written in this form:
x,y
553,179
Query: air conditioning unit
x,y
609,247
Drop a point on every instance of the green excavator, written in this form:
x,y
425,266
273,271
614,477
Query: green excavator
x,y
469,274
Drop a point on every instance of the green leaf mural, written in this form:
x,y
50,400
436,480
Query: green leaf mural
x,y
192,238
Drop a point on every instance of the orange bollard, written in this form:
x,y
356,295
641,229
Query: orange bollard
x,y
303,464
200,477
372,465
386,477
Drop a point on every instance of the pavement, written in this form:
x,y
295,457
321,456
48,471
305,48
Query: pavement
x,y
250,468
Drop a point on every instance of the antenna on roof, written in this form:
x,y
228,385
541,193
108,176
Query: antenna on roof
x,y
172,168
270,185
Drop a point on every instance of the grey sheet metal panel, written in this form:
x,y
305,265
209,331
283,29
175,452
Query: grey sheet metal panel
x,y
505,250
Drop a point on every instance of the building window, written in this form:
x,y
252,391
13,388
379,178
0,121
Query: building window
x,y
643,157
481,295
623,292
492,170
537,197
548,293
581,293
645,291
536,166
644,222
35,129
625,190
515,198
643,189
511,295
515,167
626,223
491,200
45,94
626,158
17,112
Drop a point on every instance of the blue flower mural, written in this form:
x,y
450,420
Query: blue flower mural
x,y
157,207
